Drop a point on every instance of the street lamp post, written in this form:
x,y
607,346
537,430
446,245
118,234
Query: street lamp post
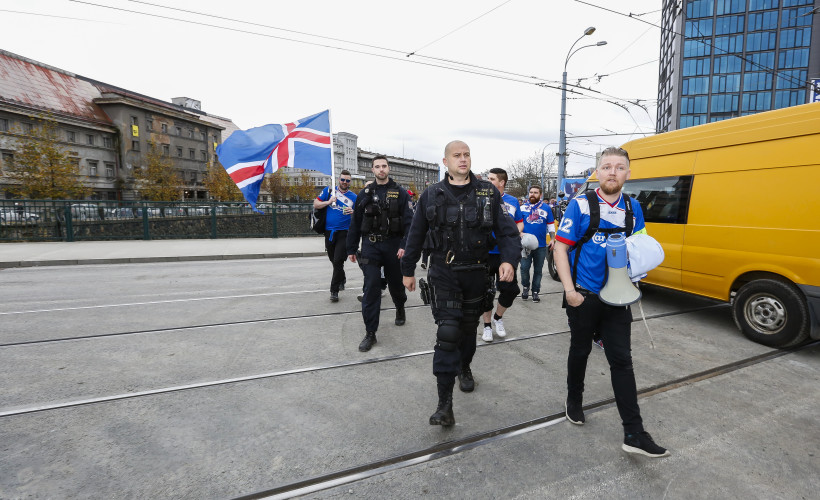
x,y
543,185
562,139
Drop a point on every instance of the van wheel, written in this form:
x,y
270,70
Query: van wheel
x,y
551,266
771,313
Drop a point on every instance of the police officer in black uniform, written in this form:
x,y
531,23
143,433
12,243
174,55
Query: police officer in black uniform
x,y
453,223
381,219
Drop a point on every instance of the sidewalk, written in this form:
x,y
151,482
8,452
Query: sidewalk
x,y
135,251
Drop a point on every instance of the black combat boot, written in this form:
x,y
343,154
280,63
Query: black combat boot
x,y
368,341
400,318
465,379
444,413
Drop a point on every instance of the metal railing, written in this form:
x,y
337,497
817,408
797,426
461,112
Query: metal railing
x,y
77,220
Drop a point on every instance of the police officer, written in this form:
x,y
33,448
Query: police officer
x,y
453,223
381,219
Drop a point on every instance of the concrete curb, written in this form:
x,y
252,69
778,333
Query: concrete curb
x,y
143,260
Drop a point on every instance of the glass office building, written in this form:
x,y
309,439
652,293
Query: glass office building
x,y
725,58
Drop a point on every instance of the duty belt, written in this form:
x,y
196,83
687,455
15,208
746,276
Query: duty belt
x,y
377,237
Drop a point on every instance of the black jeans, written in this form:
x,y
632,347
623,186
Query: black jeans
x,y
614,325
337,254
374,257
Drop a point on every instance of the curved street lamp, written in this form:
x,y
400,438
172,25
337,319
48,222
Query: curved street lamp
x,y
562,139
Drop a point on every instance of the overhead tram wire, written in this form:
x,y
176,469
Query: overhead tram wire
x,y
460,27
376,47
510,76
767,69
542,82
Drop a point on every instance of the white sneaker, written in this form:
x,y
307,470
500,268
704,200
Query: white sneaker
x,y
499,328
488,334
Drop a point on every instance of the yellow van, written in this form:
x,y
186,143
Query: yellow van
x,y
735,206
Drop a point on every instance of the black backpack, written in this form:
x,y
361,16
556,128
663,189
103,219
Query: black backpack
x,y
594,221
317,219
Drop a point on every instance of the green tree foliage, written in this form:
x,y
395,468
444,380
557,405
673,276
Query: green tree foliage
x,y
156,179
220,185
276,185
43,168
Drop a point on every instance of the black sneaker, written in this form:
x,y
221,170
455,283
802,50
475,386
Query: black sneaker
x,y
342,285
466,383
641,443
334,296
524,294
574,412
535,297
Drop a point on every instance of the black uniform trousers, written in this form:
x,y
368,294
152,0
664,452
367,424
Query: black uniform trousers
x,y
450,288
337,254
374,256
614,324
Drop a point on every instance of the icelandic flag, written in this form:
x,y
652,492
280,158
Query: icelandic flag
x,y
248,155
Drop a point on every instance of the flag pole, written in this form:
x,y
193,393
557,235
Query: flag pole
x,y
332,157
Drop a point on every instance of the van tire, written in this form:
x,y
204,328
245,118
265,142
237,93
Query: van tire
x,y
551,266
771,312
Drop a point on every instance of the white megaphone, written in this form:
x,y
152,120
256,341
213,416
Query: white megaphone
x,y
619,290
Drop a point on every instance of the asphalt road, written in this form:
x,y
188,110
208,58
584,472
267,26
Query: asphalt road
x,y
219,379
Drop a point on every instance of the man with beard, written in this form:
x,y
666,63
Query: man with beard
x,y
583,277
538,221
381,219
339,205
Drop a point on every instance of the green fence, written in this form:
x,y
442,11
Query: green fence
x,y
79,220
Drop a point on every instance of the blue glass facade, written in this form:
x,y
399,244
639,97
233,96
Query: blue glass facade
x,y
728,58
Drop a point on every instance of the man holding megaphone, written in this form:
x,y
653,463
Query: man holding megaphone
x,y
581,260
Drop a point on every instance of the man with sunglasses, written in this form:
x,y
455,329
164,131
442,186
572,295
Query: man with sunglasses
x,y
339,205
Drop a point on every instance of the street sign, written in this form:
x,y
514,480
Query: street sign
x,y
815,90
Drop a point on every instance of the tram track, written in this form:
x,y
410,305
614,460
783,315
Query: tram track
x,y
453,447
268,375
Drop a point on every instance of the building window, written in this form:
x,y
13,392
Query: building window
x,y
724,103
759,61
786,98
727,64
693,67
728,44
726,83
692,120
179,152
760,41
89,139
109,170
692,86
166,150
729,24
695,48
793,79
4,125
730,6
8,160
762,21
203,155
699,8
193,176
71,136
135,145
178,130
762,4
92,167
758,80
190,133
796,17
28,128
107,141
164,127
756,101
693,105
192,154
134,120
800,37
149,123
792,3
795,58
202,136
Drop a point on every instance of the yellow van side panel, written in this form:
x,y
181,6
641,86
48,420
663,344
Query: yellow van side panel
x,y
767,198
792,151
670,236
663,166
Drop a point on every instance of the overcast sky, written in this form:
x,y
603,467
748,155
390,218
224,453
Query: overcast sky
x,y
395,104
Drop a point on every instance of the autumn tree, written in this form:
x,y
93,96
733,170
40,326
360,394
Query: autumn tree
x,y
303,188
220,185
277,186
156,179
42,166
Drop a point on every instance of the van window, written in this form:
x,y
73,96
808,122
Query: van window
x,y
664,199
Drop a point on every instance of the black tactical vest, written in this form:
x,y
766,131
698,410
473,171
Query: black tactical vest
x,y
460,230
382,217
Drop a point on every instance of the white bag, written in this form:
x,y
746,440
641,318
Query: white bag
x,y
528,243
644,254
